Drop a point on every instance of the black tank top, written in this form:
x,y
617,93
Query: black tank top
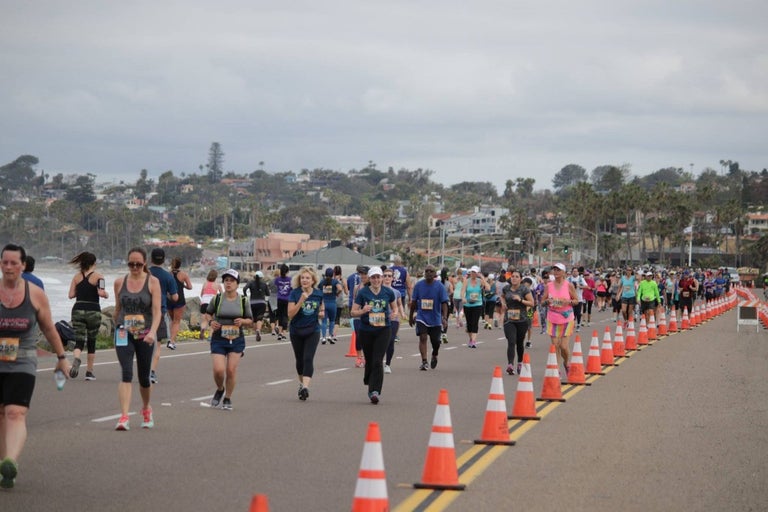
x,y
179,288
86,295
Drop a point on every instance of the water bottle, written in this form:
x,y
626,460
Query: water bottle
x,y
60,379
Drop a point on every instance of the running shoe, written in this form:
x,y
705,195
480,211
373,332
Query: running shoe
x,y
171,345
75,369
519,368
8,470
567,369
433,362
424,366
258,336
359,363
89,375
216,400
444,338
303,393
332,340
147,420
122,423
226,405
322,341
397,338
387,369
510,369
152,377
374,396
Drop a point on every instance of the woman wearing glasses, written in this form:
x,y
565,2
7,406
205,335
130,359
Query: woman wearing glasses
x,y
137,317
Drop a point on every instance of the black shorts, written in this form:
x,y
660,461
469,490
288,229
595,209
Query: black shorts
x,y
162,329
16,389
645,305
258,310
629,300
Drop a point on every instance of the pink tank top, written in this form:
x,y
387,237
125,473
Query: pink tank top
x,y
561,311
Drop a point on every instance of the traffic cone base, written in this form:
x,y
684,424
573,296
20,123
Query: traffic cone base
x,y
495,428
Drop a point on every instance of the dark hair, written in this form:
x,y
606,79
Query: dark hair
x,y
337,270
84,260
15,248
141,251
29,264
283,270
175,263
212,275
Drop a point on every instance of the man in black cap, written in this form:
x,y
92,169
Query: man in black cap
x,y
168,290
353,282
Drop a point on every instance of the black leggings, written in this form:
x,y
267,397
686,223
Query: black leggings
x,y
144,352
304,348
515,334
577,313
395,325
472,314
374,345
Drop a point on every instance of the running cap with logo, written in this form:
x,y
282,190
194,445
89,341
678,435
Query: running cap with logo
x,y
560,266
157,255
231,273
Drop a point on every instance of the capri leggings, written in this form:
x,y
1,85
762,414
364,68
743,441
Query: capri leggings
x,y
395,325
472,315
515,334
304,348
144,352
86,325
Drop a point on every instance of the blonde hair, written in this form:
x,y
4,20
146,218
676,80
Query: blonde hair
x,y
296,281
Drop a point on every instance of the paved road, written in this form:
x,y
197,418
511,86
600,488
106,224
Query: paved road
x,y
679,426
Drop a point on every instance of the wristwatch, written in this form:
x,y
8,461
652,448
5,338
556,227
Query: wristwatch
x,y
62,356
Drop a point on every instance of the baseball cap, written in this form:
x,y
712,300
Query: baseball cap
x,y
560,266
260,274
362,269
231,273
375,271
648,273
329,272
157,255
474,268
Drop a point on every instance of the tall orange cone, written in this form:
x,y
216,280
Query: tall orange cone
x,y
551,391
259,503
593,358
672,321
618,343
686,322
525,403
371,487
653,334
642,334
495,428
536,321
631,341
440,469
662,327
352,352
606,349
576,368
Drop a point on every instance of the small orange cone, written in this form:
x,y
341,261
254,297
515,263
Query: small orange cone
x,y
686,322
662,323
618,343
371,487
525,403
672,321
653,334
576,369
606,350
440,469
551,391
495,428
259,503
593,358
352,352
697,314
642,334
536,321
631,342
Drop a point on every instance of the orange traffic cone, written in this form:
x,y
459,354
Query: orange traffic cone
x,y
662,323
352,352
495,428
551,391
576,369
686,323
371,487
593,358
606,350
259,503
631,342
618,343
672,321
642,334
440,470
525,403
536,321
653,334
694,317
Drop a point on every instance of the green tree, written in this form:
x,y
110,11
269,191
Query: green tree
x,y
82,191
215,163
568,176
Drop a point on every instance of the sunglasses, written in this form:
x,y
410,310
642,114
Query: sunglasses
x,y
388,275
135,264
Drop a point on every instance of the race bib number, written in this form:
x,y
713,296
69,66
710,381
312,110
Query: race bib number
x,y
230,332
513,315
9,349
134,324
121,337
685,294
427,304
474,297
377,319
328,290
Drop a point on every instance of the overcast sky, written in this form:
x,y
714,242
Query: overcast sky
x,y
474,91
